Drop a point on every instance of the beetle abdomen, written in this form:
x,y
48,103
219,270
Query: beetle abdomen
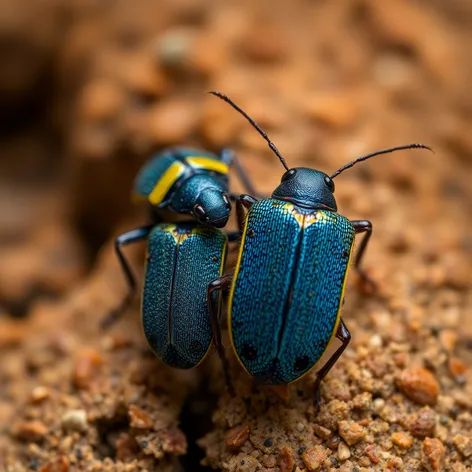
x,y
283,319
182,260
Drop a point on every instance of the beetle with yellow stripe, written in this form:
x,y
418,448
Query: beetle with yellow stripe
x,y
190,181
287,290
182,257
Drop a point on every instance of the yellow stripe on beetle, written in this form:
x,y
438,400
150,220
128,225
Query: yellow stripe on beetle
x,y
165,183
207,163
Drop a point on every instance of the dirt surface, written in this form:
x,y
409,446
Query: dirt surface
x,y
91,90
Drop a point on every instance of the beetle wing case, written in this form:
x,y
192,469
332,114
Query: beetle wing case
x,y
282,320
182,260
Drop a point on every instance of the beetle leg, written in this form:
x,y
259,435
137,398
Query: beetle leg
x,y
221,283
363,226
229,158
133,236
243,202
344,336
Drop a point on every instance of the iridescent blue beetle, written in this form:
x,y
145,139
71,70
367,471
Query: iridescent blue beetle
x,y
287,290
184,257
190,181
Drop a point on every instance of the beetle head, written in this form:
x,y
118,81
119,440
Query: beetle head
x,y
308,188
212,207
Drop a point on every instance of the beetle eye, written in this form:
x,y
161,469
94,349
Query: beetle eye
x,y
288,174
199,212
228,203
329,183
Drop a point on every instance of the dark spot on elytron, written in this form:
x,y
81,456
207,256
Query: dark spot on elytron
x,y
214,259
345,254
238,324
301,363
249,352
268,442
196,346
250,233
321,343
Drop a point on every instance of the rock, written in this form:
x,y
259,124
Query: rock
x,y
433,454
60,464
419,385
30,430
351,432
286,460
85,367
457,369
75,420
344,452
237,436
139,418
39,394
463,444
402,439
422,423
314,457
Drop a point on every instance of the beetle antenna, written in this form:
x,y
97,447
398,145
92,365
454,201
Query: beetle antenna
x,y
253,123
383,151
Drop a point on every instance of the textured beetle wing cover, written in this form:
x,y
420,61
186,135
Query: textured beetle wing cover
x,y
182,262
288,288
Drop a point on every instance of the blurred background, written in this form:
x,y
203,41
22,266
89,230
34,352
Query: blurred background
x,y
89,89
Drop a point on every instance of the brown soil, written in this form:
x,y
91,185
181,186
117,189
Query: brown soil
x,y
93,88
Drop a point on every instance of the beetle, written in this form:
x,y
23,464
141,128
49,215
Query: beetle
x,y
287,290
190,181
182,258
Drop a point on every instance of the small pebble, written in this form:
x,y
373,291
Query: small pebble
x,y
378,404
237,436
268,442
422,423
402,439
321,431
286,460
433,454
375,341
419,385
30,430
463,444
139,418
457,369
39,394
75,420
300,427
59,464
314,457
351,432
344,452
85,367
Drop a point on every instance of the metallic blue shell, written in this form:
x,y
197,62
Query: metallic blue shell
x,y
288,288
153,170
182,260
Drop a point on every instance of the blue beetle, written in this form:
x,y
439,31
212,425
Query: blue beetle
x,y
287,290
184,257
190,181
